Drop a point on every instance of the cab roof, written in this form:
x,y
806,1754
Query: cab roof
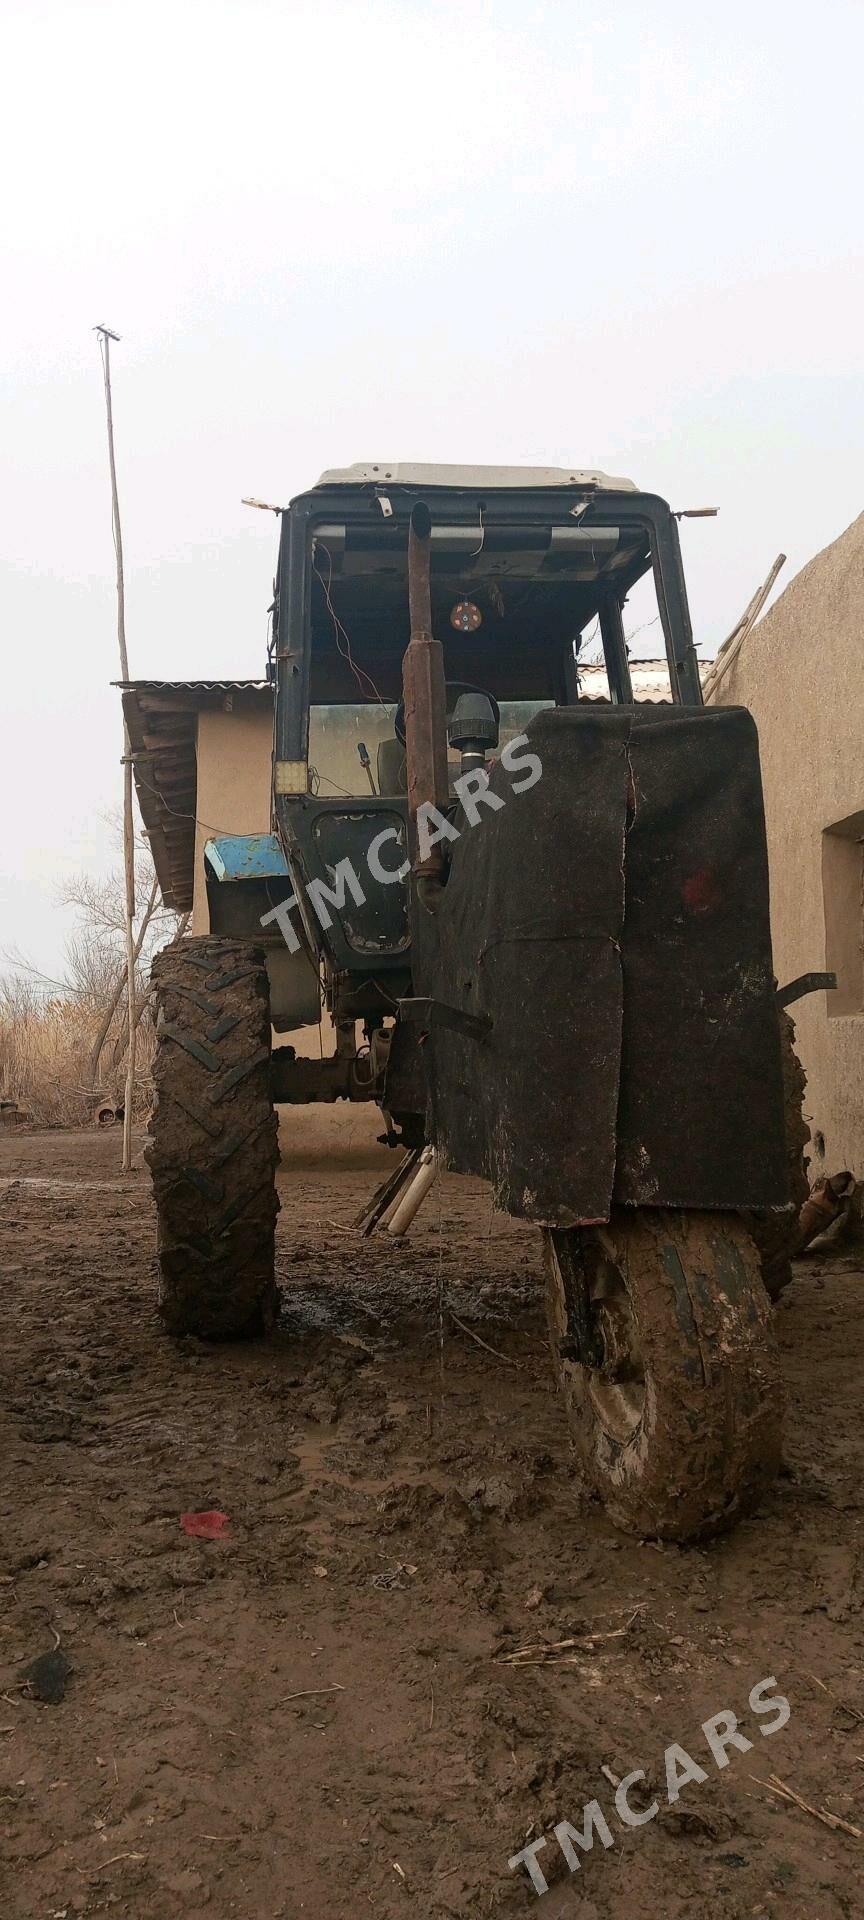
x,y
366,473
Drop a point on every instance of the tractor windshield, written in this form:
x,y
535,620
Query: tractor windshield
x,y
354,750
522,580
510,605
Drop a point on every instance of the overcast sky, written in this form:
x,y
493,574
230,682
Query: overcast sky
x,y
627,236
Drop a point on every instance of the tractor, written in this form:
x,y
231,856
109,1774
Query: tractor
x,y
546,916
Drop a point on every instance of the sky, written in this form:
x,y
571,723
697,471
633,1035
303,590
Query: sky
x,y
565,233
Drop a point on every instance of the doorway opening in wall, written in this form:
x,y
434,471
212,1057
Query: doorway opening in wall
x,y
843,898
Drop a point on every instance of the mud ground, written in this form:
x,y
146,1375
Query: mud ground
x,y
402,1517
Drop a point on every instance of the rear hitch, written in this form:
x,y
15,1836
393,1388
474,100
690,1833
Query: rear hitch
x,y
433,1016
805,983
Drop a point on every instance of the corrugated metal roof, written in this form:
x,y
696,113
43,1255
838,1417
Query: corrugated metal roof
x,y
194,686
649,678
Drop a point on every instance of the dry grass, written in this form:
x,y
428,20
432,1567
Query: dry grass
x,y
55,1038
45,1046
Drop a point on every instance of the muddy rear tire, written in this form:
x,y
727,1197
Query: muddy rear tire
x,y
213,1147
677,1425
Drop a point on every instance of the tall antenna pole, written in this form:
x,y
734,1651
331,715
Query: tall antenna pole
x,y
105,338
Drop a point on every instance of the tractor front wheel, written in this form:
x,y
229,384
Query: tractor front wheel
x,y
661,1336
213,1147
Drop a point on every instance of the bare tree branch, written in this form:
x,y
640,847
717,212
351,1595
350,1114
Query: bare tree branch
x,y
114,1002
143,1000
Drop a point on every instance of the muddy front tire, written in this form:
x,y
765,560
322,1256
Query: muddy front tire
x,y
213,1147
676,1423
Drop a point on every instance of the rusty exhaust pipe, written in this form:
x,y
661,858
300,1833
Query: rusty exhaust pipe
x,y
424,695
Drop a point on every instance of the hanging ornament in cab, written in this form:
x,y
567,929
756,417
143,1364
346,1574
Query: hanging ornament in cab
x,y
465,617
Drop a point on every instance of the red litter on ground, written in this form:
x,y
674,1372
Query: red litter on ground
x,y
211,1525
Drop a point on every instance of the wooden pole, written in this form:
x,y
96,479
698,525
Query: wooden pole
x,y
117,994
728,653
105,338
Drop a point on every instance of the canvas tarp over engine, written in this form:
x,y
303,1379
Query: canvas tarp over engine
x,y
613,923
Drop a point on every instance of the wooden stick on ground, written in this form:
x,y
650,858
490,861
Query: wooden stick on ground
x,y
784,1792
846,1705
482,1343
305,1693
